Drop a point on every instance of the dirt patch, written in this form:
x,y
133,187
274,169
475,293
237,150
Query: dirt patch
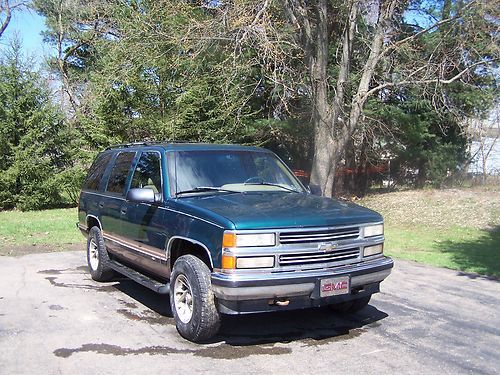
x,y
20,250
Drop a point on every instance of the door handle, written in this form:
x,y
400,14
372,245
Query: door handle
x,y
101,204
123,211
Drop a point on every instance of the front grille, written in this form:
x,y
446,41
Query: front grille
x,y
334,234
312,258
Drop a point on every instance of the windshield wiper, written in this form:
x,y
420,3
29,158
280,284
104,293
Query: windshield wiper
x,y
272,184
201,189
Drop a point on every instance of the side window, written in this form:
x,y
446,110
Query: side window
x,y
96,172
147,174
119,173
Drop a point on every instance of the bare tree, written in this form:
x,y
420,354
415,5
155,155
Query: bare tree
x,y
73,29
337,115
392,57
6,9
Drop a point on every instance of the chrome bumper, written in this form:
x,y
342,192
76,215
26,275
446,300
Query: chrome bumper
x,y
244,287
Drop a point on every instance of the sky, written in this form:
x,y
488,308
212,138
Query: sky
x,y
27,26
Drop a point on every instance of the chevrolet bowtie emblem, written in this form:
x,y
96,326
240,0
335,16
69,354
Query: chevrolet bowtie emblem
x,y
327,246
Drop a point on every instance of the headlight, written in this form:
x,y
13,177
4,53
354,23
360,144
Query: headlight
x,y
373,230
232,262
248,240
373,250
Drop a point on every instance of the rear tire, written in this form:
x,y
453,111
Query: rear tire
x,y
192,301
97,256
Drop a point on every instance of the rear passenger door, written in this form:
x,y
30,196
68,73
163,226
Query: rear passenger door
x,y
113,204
143,224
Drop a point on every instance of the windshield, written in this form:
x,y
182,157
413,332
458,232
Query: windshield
x,y
235,171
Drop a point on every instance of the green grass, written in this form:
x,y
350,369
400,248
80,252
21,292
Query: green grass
x,y
49,227
464,249
456,228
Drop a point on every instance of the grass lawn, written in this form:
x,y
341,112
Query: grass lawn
x,y
49,230
454,228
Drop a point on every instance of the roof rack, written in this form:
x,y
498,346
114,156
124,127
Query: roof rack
x,y
147,143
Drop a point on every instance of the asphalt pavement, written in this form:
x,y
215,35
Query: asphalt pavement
x,y
55,320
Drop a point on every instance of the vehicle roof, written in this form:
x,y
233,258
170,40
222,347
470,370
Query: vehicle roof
x,y
187,146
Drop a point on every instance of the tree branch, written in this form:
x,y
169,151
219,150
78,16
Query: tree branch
x,y
425,81
8,16
424,31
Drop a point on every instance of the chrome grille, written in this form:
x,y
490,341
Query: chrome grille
x,y
311,258
333,234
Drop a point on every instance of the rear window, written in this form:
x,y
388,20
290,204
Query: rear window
x,y
96,172
119,173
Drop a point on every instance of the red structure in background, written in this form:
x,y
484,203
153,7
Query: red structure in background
x,y
304,176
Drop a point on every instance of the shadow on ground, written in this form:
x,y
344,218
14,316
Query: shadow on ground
x,y
479,255
311,326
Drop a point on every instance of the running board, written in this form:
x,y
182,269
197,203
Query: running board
x,y
148,282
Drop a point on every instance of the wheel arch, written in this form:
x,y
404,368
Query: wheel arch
x,y
93,221
179,245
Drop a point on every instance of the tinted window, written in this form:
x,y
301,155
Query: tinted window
x,y
118,177
96,172
147,174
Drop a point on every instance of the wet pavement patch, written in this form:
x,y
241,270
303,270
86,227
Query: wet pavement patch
x,y
130,305
146,316
218,352
51,272
118,350
105,288
80,269
233,352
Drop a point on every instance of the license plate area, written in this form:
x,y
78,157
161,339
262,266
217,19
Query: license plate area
x,y
334,286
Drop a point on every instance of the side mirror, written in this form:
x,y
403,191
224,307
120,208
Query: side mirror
x,y
144,195
315,190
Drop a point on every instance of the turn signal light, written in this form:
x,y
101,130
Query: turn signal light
x,y
228,262
229,240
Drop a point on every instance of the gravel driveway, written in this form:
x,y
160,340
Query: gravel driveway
x,y
55,319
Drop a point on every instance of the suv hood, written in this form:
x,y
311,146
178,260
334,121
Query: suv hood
x,y
263,210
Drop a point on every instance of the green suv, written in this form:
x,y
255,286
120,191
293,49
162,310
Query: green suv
x,y
226,229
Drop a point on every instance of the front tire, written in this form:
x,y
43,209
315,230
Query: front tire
x,y
97,256
192,301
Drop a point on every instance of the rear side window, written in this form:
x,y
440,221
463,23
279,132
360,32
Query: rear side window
x,y
96,172
119,173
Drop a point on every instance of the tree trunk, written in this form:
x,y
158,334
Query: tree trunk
x,y
327,150
318,63
422,174
332,127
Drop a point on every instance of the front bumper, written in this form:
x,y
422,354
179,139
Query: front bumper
x,y
242,293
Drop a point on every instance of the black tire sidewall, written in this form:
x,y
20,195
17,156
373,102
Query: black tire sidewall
x,y
103,272
205,321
